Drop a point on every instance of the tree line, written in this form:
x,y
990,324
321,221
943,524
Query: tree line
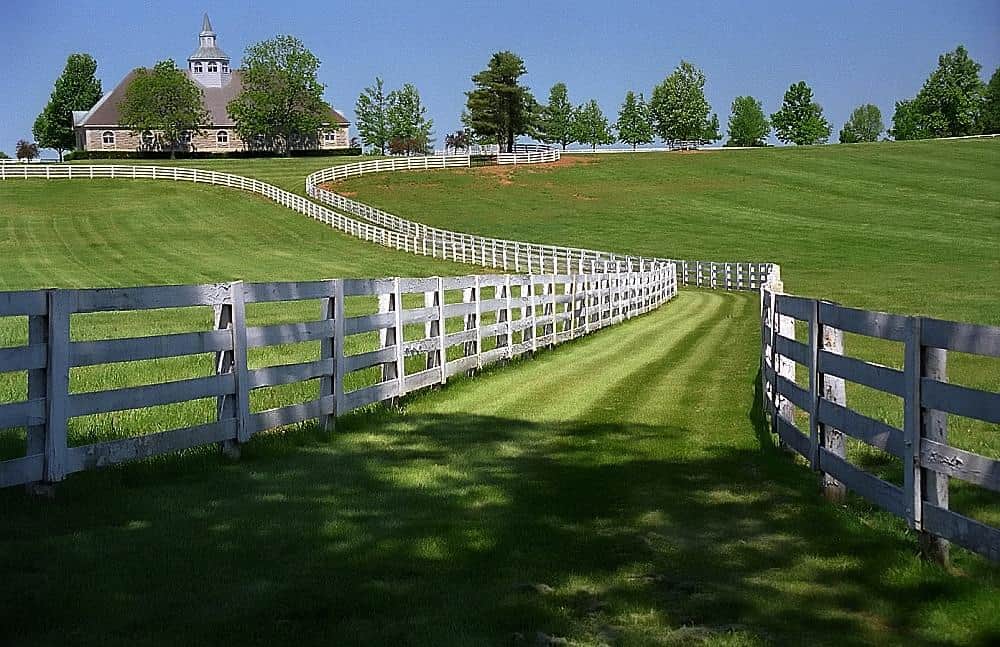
x,y
954,101
281,101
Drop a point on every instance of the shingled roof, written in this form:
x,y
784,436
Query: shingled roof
x,y
105,113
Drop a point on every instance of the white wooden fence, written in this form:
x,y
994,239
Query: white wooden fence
x,y
511,255
927,397
528,312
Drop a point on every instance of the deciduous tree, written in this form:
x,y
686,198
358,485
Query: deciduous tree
x,y
800,120
864,125
281,95
951,99
499,107
77,88
590,126
989,121
907,122
26,150
678,107
748,125
163,99
407,121
633,125
555,124
371,110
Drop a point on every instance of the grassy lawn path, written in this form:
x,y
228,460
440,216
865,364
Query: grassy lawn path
x,y
620,490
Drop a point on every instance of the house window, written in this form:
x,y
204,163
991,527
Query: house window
x,y
186,137
213,67
222,137
198,68
148,138
330,137
108,138
225,68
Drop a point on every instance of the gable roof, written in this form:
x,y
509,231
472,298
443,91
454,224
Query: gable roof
x,y
105,112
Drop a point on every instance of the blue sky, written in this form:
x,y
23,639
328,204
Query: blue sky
x,y
849,52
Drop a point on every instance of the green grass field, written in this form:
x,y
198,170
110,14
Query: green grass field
x,y
620,490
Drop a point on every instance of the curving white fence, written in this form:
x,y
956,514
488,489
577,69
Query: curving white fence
x,y
512,255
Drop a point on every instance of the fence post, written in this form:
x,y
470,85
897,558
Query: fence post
x,y
471,295
388,336
834,390
815,388
934,426
432,328
500,293
38,333
911,425
60,307
328,350
442,331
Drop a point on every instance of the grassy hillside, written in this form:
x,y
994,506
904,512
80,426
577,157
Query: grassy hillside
x,y
910,226
618,491
96,233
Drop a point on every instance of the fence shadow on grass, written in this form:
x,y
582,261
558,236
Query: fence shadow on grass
x,y
462,529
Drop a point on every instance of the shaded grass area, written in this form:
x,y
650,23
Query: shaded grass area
x,y
606,493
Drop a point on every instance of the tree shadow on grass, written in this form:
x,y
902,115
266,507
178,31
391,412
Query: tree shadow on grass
x,y
462,529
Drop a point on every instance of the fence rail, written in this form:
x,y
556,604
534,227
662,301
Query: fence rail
x,y
927,396
527,311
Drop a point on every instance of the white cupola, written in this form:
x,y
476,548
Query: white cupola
x,y
209,65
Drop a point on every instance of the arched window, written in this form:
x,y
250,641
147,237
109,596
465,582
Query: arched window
x,y
198,68
108,138
225,68
213,67
222,137
148,138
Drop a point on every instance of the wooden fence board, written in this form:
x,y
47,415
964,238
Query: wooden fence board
x,y
138,397
874,432
368,359
958,463
368,395
292,414
109,351
22,414
792,436
287,291
22,358
150,298
23,303
369,323
794,350
863,322
112,452
26,469
291,333
289,373
421,379
859,371
797,307
793,392
960,400
367,287
961,337
962,530
885,495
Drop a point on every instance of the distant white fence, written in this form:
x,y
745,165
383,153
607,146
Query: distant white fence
x,y
527,312
512,255
927,400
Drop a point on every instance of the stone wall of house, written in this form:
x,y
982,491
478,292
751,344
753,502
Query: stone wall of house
x,y
206,141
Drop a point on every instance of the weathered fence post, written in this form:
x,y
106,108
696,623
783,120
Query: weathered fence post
x,y
835,391
912,371
815,388
432,328
38,333
60,308
471,295
328,350
391,336
934,426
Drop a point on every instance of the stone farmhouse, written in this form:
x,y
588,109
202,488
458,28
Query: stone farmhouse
x,y
98,129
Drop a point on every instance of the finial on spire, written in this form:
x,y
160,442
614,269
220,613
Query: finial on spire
x,y
206,24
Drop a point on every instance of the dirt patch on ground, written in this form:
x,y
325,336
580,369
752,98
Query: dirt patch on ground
x,y
570,160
